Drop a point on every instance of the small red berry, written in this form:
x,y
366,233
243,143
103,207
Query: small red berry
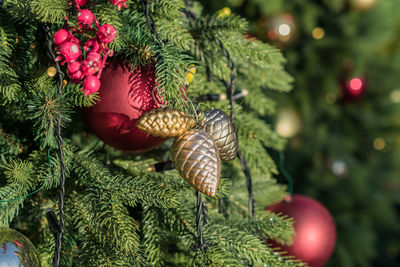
x,y
74,66
119,3
70,51
92,46
91,85
85,16
107,33
77,75
91,64
81,2
61,36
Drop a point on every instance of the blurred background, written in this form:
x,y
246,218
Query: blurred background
x,y
342,119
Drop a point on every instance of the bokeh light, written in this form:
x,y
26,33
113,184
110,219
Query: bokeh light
x,y
318,33
379,143
356,86
284,29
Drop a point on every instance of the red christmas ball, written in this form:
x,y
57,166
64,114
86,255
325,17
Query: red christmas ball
x,y
315,229
354,88
124,97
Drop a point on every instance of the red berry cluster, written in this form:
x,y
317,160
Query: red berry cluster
x,y
119,3
68,48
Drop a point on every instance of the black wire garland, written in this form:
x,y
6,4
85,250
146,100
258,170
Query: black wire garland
x,y
231,92
231,83
58,231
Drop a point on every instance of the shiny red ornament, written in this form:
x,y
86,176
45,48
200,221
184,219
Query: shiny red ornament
x,y
70,51
85,16
315,230
124,97
107,33
119,3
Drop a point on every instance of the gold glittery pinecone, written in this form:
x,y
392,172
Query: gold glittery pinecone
x,y
221,128
165,122
195,156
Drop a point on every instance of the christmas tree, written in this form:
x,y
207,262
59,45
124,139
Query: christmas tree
x,y
342,116
89,188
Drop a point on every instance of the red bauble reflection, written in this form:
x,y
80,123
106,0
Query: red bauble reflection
x,y
315,230
124,97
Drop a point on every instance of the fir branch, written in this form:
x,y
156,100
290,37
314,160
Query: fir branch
x,y
9,84
172,30
152,236
134,189
115,221
215,26
168,9
107,227
75,96
256,99
271,226
171,69
26,53
19,175
139,49
19,10
45,107
130,190
41,162
253,51
19,172
247,248
50,11
10,145
250,127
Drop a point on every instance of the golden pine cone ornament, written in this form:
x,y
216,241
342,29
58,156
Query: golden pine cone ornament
x,y
220,126
165,122
196,158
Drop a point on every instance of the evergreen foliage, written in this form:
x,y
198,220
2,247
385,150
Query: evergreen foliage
x,y
117,212
357,43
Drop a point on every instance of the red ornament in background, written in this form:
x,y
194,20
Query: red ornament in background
x,y
124,97
315,230
354,88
